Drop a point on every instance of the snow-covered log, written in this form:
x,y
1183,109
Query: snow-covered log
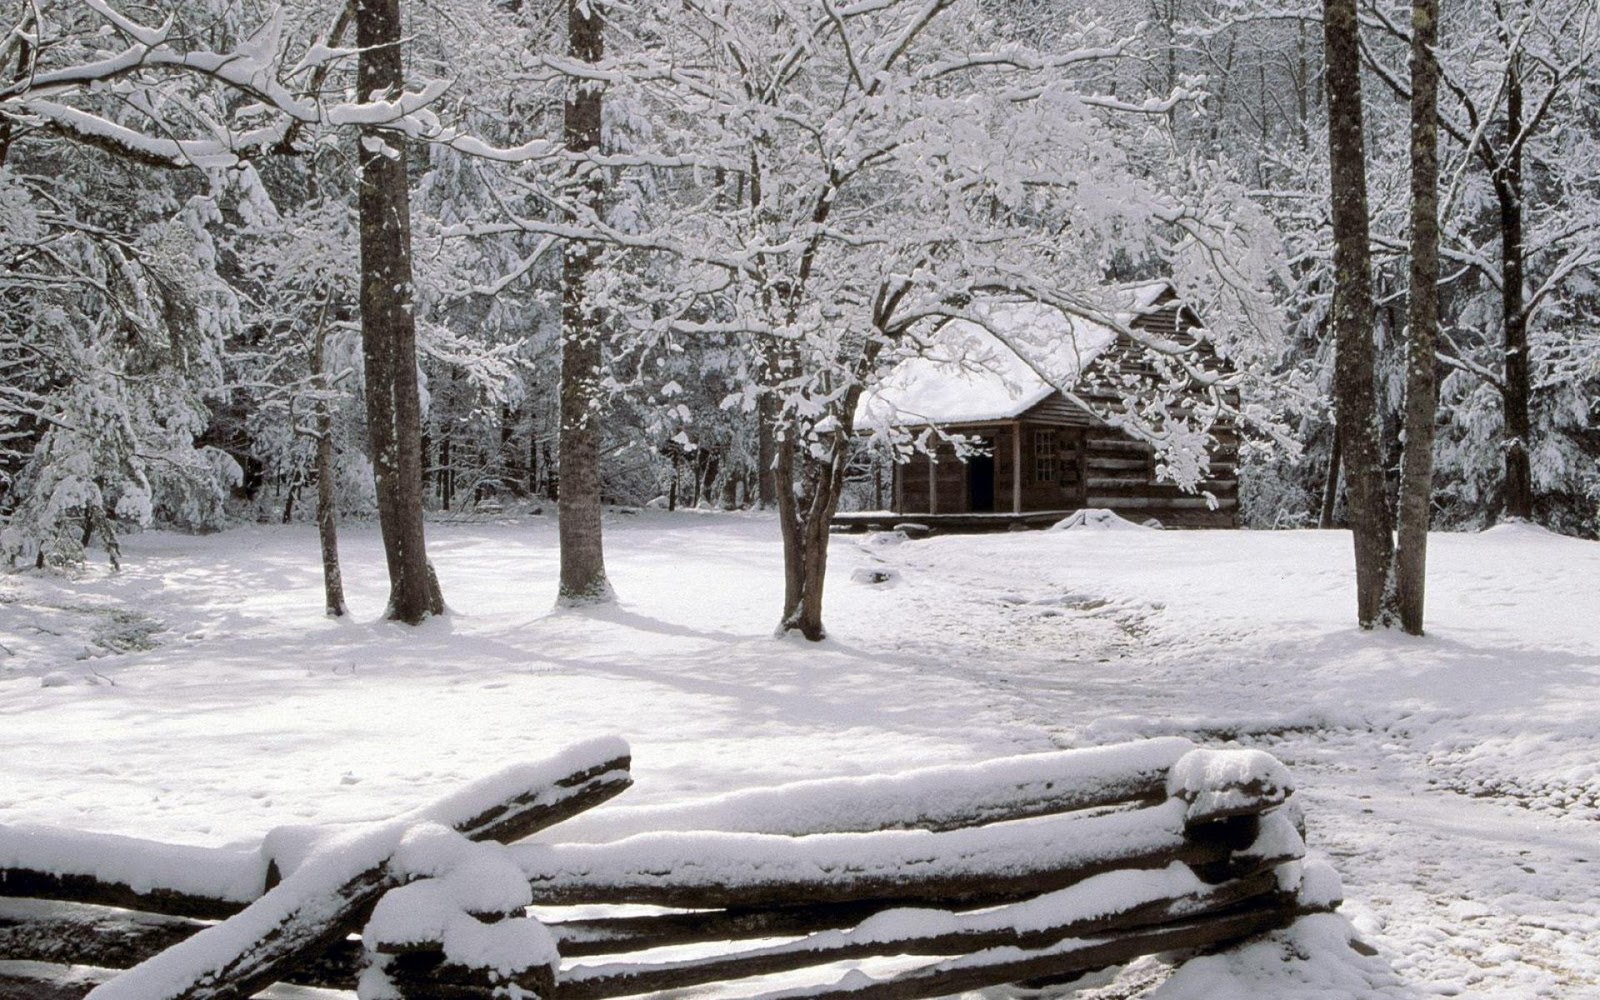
x,y
1217,785
1111,903
522,800
948,797
715,870
49,863
328,894
431,975
1033,868
1063,961
81,934
618,935
22,980
208,883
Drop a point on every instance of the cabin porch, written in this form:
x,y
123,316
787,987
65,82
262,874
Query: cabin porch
x,y
964,524
1019,467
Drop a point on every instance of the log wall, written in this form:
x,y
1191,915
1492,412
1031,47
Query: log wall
x,y
1095,464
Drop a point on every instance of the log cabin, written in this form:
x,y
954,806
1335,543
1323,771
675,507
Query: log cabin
x,y
1031,453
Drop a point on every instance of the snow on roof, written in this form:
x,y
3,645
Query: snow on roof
x,y
1141,297
969,373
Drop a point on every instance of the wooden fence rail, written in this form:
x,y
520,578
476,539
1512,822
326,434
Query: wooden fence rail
x,y
1035,868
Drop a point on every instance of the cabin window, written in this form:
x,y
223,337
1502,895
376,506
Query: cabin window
x,y
1046,464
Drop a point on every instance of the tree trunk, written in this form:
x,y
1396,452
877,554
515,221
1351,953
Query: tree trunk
x,y
327,506
583,569
388,326
1302,88
804,561
1355,392
791,530
429,487
766,457
1422,392
328,524
24,61
293,495
533,461
809,489
1517,391
1330,486
447,479
508,459
707,467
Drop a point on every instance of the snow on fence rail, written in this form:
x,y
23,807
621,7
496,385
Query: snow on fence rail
x,y
1035,868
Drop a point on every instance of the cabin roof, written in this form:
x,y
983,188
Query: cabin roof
x,y
973,372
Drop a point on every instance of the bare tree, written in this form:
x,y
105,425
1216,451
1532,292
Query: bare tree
x,y
1355,393
327,507
583,568
1516,390
388,325
1513,115
1422,391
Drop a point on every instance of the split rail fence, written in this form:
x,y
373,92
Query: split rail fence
x,y
1034,869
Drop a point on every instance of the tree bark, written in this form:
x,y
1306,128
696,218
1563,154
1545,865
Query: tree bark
x,y
766,457
583,569
1517,391
792,530
672,489
25,56
447,479
288,502
1330,486
1355,392
327,505
388,326
533,461
808,495
1422,392
508,459
328,524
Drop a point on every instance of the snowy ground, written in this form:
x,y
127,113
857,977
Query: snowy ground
x,y
200,697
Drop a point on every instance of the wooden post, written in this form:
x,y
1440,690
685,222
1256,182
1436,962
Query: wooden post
x,y
1016,467
933,481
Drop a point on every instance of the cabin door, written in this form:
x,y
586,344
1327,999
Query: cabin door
x,y
980,482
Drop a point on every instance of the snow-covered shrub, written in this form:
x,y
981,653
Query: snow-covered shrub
x,y
110,357
1564,458
1274,492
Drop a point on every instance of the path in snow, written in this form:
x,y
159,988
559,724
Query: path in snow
x,y
252,710
1486,895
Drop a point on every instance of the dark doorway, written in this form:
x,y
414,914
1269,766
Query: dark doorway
x,y
980,483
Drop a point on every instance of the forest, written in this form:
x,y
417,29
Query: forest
x,y
280,261
424,422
